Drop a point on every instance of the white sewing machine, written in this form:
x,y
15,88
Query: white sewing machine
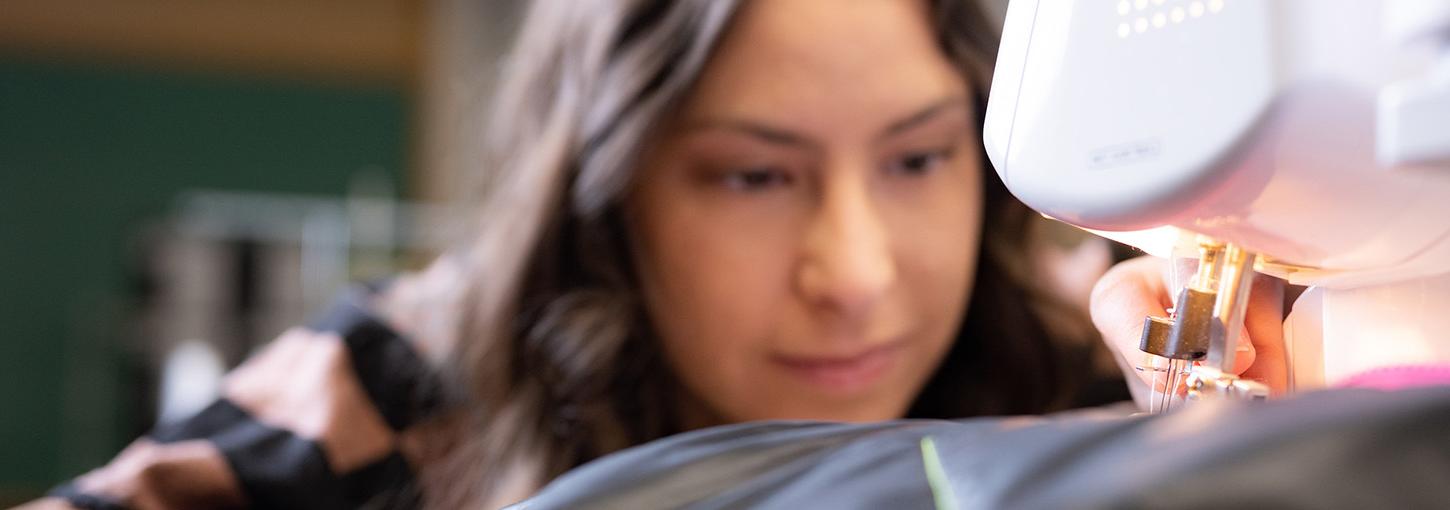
x,y
1306,139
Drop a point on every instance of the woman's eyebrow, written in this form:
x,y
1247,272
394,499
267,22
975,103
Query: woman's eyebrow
x,y
778,136
765,133
923,115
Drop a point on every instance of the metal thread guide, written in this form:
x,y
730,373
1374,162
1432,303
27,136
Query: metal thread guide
x,y
1191,352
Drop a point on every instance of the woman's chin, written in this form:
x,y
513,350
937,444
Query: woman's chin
x,y
820,409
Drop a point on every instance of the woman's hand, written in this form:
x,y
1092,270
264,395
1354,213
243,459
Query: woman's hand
x,y
1138,288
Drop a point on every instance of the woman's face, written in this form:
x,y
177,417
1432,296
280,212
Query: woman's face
x,y
806,224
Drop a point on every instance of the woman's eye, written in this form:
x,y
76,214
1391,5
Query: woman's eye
x,y
920,163
755,179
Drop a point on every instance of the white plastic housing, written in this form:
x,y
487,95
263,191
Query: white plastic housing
x,y
1252,121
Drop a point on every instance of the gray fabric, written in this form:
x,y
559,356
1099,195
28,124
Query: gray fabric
x,y
1332,449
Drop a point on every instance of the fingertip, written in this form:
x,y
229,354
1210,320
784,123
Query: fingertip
x,y
1244,355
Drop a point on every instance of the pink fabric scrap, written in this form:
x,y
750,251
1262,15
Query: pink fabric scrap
x,y
1400,377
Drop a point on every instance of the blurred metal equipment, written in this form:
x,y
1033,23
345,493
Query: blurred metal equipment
x,y
233,269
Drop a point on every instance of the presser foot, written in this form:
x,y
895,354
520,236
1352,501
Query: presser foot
x,y
1208,383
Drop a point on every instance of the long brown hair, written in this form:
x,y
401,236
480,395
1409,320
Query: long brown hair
x,y
556,363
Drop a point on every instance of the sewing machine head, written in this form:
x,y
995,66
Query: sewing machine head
x,y
1307,139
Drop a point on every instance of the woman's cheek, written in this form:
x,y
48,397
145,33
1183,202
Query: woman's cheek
x,y
724,286
938,233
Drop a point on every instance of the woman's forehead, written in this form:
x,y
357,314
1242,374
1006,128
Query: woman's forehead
x,y
815,64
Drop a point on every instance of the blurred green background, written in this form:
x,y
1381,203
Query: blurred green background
x,y
88,154
113,113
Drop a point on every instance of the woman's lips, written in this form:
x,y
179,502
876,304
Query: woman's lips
x,y
841,374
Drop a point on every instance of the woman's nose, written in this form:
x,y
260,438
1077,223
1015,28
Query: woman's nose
x,y
847,264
